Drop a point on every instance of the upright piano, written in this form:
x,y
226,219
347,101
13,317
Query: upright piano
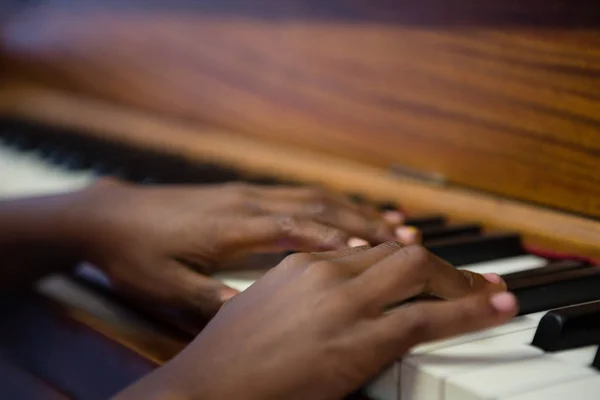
x,y
481,119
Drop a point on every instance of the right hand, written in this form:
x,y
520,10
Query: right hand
x,y
315,327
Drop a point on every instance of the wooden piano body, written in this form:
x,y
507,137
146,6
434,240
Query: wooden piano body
x,y
484,111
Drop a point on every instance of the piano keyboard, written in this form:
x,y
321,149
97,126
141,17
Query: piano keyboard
x,y
546,353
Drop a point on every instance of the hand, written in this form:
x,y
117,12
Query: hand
x,y
315,327
157,242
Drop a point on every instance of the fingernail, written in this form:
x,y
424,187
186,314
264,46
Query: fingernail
x,y
503,302
357,242
493,278
227,294
393,217
407,234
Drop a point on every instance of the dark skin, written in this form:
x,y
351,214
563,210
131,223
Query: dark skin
x,y
328,331
159,243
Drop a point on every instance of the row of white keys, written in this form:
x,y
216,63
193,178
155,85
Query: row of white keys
x,y
506,381
510,379
579,389
24,174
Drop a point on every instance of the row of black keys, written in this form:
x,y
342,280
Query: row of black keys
x,y
556,285
72,150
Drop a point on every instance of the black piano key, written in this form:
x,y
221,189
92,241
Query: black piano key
x,y
57,155
545,292
103,168
451,231
43,149
147,180
74,162
550,268
267,181
9,138
357,198
470,250
426,221
569,328
21,143
388,206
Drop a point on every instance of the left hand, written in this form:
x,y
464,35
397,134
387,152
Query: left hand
x,y
162,242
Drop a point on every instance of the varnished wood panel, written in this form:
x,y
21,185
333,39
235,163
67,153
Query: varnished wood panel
x,y
502,96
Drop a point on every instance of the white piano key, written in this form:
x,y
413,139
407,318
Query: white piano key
x,y
512,378
498,381
239,280
524,323
67,292
583,356
581,389
508,335
423,376
507,265
386,385
24,174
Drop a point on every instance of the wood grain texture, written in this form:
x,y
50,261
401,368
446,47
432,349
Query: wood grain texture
x,y
502,96
552,230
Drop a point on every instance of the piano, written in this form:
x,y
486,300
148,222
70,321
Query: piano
x,y
481,120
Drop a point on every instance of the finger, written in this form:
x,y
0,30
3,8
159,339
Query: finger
x,y
394,218
357,242
335,254
358,262
371,227
429,321
408,235
412,270
283,233
184,288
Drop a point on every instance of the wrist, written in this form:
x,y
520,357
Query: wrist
x,y
37,220
86,219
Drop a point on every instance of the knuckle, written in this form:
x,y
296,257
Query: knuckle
x,y
286,225
336,237
319,208
299,259
237,186
238,191
418,255
378,229
323,270
466,311
418,322
392,245
317,194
